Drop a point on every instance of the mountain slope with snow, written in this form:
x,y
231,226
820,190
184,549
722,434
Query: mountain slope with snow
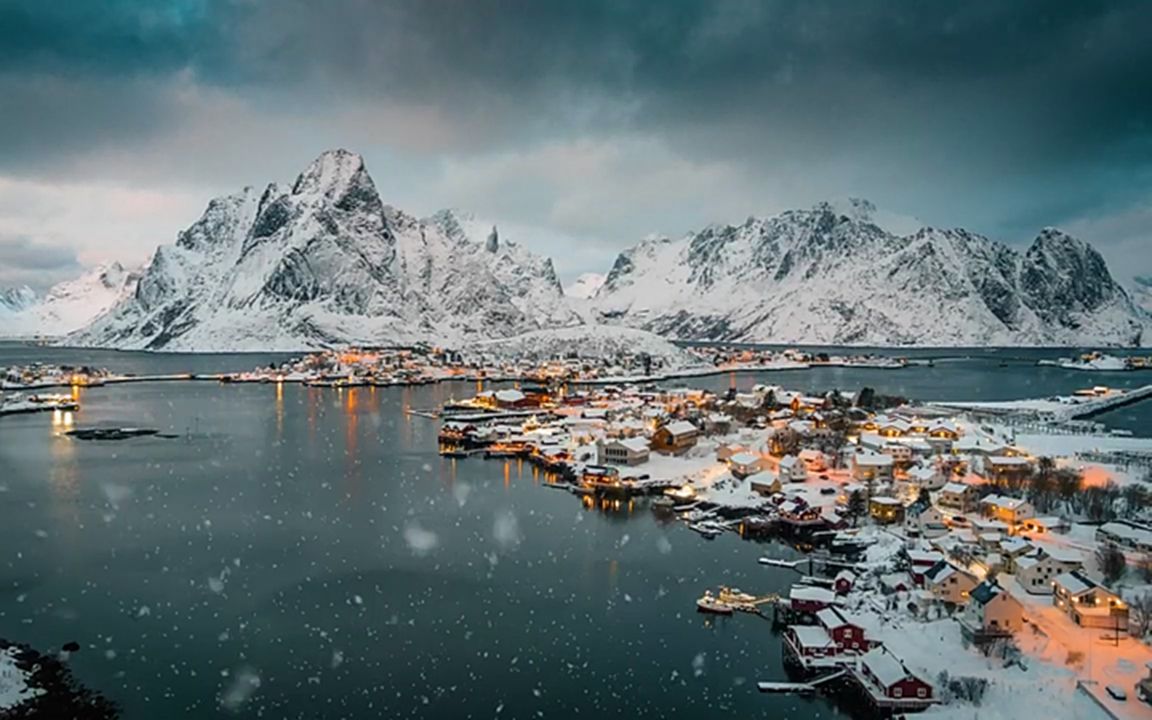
x,y
1142,293
821,276
324,262
67,306
585,286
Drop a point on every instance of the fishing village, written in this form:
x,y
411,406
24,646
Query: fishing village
x,y
946,555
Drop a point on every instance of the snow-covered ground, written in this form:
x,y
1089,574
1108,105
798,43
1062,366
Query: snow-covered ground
x,y
13,682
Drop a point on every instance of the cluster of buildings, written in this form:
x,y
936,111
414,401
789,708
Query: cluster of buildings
x,y
43,375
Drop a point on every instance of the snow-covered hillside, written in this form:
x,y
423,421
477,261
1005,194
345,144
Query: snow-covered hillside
x,y
1142,293
585,286
16,299
588,341
325,262
821,276
67,306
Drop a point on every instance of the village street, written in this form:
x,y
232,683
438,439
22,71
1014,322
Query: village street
x,y
1101,661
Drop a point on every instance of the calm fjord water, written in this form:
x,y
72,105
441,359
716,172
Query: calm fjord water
x,y
303,552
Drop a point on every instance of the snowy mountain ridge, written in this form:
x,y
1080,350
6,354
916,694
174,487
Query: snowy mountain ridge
x,y
821,276
325,262
68,305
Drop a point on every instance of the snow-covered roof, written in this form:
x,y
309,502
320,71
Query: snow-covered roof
x,y
883,500
1009,460
922,473
1027,562
831,618
788,462
635,444
1003,501
924,557
1063,554
884,667
812,636
744,459
1133,535
1074,582
870,459
811,593
680,427
955,488
509,396
940,572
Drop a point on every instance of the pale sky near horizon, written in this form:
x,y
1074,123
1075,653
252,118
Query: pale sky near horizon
x,y
579,127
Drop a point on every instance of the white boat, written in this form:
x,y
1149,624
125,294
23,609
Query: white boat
x,y
710,604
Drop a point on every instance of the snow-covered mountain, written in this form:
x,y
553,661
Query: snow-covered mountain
x,y
822,276
325,262
14,300
585,286
68,305
1142,293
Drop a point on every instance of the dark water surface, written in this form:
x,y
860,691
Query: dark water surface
x,y
304,552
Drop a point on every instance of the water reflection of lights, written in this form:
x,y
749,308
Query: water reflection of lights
x,y
279,410
608,505
62,419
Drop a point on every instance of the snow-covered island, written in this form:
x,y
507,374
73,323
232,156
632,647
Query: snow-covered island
x,y
1100,362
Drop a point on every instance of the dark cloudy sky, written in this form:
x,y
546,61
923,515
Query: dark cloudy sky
x,y
580,126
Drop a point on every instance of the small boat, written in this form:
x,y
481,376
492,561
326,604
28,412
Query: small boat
x,y
707,531
709,604
664,503
455,453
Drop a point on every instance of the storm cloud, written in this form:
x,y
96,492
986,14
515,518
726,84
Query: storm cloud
x,y
593,123
25,262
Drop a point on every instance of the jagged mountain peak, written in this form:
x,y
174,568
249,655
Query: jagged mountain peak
x,y
824,276
326,262
330,173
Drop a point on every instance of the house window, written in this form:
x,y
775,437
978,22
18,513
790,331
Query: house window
x,y
898,692
847,633
921,692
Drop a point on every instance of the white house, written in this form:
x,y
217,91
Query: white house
x,y
925,519
927,477
1012,511
868,466
764,483
958,497
1035,573
744,464
627,451
792,469
948,583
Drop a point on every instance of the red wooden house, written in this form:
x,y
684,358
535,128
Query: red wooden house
x,y
810,599
849,637
844,582
889,684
